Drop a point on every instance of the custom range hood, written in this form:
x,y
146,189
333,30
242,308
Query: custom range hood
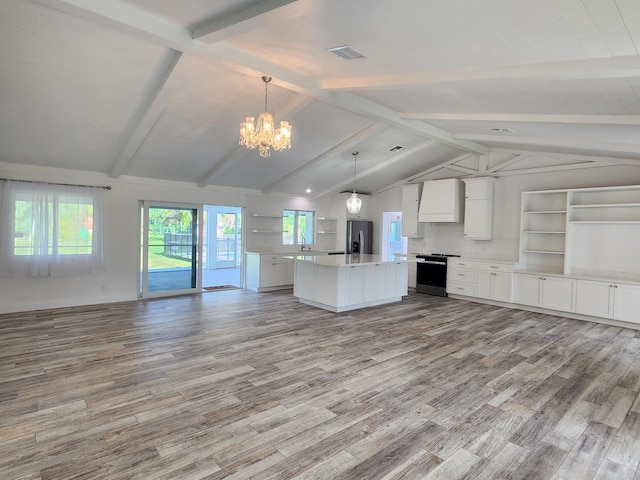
x,y
442,201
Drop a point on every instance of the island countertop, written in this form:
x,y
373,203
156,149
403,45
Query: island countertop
x,y
349,260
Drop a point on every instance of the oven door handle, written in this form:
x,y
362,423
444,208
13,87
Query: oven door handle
x,y
430,262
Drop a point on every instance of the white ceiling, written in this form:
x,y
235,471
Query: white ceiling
x,y
157,88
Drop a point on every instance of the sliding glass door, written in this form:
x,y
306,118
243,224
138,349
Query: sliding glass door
x,y
169,249
222,247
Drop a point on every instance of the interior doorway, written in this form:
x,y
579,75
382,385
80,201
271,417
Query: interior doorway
x,y
392,239
223,247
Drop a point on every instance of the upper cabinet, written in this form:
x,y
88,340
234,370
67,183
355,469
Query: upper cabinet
x,y
442,201
410,201
478,208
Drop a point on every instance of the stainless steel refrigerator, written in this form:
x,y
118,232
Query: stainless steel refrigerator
x,y
359,236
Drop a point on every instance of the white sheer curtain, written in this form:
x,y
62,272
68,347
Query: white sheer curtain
x,y
49,230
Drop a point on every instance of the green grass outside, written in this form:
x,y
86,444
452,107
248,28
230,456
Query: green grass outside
x,y
158,259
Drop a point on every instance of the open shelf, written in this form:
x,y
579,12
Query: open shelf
x,y
610,222
265,215
544,252
599,231
544,212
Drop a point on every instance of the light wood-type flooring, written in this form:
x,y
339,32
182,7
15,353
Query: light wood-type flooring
x,y
240,385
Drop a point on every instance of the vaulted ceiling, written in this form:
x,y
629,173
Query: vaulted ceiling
x,y
157,88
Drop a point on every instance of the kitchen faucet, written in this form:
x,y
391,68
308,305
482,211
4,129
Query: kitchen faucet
x,y
303,244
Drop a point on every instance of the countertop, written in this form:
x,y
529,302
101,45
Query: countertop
x,y
306,252
348,260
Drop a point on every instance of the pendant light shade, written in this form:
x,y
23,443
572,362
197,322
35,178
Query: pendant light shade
x,y
354,203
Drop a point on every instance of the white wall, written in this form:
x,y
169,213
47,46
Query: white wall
x,y
119,282
274,205
449,238
120,279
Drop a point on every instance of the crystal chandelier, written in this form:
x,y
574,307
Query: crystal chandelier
x,y
353,202
263,134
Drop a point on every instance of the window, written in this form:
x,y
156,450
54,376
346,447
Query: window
x,y
50,230
297,227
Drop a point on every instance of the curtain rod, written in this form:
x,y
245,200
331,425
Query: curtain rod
x,y
53,183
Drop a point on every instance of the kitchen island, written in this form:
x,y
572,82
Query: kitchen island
x,y
346,282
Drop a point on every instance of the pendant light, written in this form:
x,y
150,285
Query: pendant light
x,y
354,203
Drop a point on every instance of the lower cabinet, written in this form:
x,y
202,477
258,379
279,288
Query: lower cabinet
x,y
614,300
546,291
268,272
497,281
480,279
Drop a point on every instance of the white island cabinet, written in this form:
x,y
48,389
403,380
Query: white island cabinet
x,y
346,282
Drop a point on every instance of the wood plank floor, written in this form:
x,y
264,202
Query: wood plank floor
x,y
240,385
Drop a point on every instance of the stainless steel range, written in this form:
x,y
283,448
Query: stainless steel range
x,y
431,277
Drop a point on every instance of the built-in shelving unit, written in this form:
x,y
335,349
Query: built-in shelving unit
x,y
543,230
604,231
583,231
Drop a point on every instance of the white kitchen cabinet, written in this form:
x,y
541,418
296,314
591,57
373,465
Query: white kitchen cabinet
x,y
268,272
481,279
495,286
546,291
478,208
614,300
461,277
410,202
375,281
627,303
339,283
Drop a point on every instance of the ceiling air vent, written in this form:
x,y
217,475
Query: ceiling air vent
x,y
346,52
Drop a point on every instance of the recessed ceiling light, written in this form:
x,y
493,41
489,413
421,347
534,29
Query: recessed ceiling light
x,y
503,130
346,52
395,149
308,190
